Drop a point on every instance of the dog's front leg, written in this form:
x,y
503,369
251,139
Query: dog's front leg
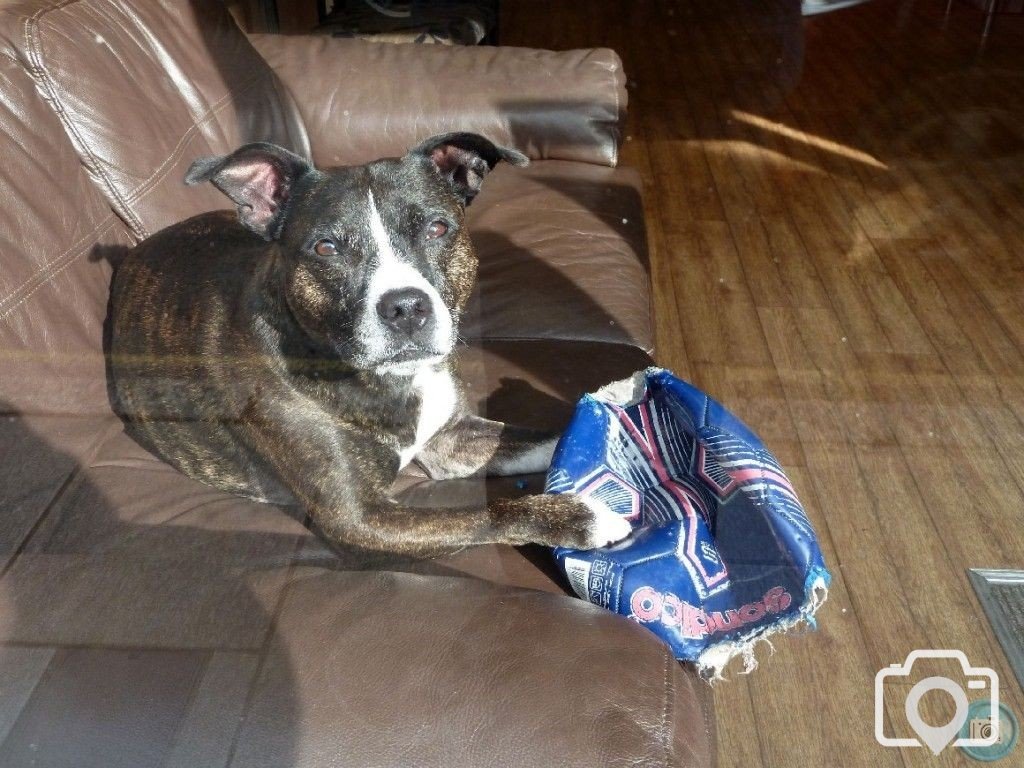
x,y
342,479
553,520
473,446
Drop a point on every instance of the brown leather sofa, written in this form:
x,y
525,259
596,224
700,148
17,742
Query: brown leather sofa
x,y
147,620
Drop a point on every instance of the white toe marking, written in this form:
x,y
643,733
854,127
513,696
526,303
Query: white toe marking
x,y
607,526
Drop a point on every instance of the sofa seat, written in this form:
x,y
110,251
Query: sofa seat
x,y
209,627
353,668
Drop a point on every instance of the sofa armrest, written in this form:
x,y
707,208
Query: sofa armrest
x,y
363,100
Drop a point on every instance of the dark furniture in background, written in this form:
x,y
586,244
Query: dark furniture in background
x,y
437,22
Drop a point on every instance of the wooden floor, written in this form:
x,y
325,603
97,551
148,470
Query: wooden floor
x,y
836,216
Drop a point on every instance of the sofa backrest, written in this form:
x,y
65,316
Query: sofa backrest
x,y
52,297
103,106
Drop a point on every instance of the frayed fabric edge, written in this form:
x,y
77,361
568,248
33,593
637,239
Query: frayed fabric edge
x,y
626,392
712,661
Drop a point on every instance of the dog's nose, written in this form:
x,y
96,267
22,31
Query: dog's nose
x,y
407,310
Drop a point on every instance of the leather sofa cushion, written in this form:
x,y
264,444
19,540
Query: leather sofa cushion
x,y
350,646
562,255
356,669
106,104
33,472
144,88
244,631
53,295
375,100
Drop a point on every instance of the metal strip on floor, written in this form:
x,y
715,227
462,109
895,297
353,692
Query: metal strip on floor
x,y
1001,594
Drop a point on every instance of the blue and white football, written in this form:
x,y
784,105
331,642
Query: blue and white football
x,y
721,553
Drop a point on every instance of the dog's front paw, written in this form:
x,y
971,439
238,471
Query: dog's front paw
x,y
605,526
569,520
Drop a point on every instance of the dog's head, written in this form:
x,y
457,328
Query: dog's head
x,y
376,260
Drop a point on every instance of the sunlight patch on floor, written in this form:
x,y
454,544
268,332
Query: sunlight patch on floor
x,y
819,142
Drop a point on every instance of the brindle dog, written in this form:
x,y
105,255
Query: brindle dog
x,y
300,351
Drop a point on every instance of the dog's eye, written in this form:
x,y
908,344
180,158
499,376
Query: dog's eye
x,y
437,229
325,248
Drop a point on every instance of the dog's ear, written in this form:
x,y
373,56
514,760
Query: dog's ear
x,y
258,178
464,159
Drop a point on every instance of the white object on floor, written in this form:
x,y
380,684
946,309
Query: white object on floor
x,y
814,7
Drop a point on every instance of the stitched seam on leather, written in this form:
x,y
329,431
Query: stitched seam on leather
x,y
51,268
34,47
158,175
667,755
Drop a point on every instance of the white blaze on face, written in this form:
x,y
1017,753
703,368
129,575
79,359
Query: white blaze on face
x,y
391,273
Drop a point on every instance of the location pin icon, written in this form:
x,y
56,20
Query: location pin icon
x,y
936,738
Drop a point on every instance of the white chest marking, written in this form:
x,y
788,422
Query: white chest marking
x,y
438,399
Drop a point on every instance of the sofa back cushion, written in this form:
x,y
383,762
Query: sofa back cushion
x,y
144,87
103,106
53,296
